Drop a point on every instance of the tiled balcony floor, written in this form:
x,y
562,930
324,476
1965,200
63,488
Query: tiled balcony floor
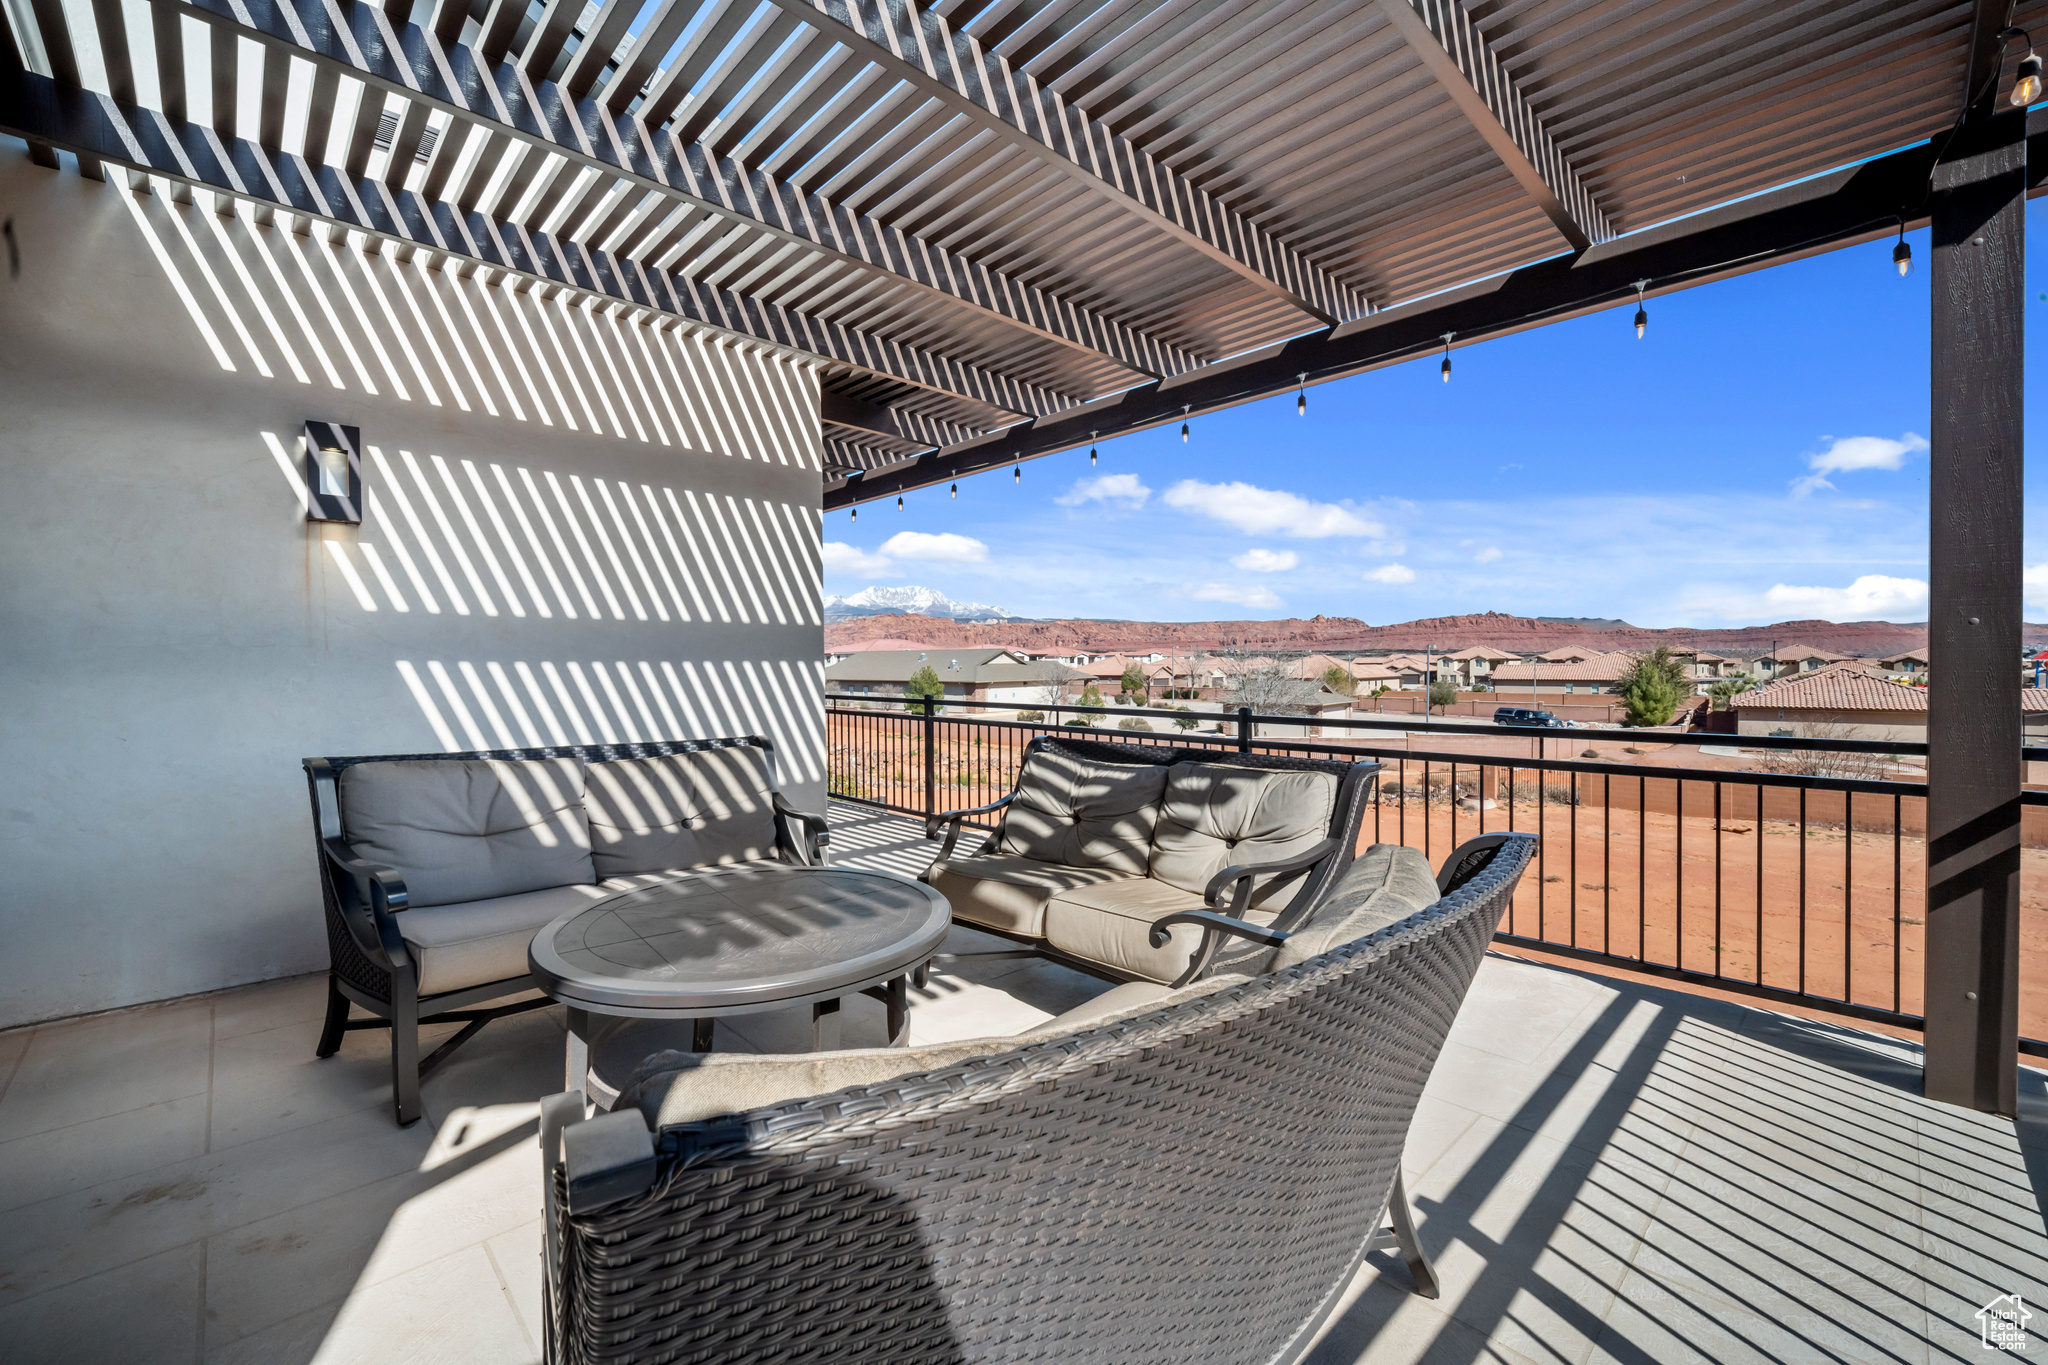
x,y
1604,1172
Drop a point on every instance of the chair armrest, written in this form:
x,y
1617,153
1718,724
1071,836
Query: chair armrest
x,y
1240,875
1219,924
953,819
380,895
815,826
1215,928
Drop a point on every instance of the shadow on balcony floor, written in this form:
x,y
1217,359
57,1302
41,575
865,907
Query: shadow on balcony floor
x,y
1604,1172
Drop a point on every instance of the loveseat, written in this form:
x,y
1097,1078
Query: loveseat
x,y
1167,1174
1099,842
437,869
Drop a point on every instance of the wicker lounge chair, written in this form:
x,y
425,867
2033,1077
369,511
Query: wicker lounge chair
x,y
1099,842
438,869
1195,1182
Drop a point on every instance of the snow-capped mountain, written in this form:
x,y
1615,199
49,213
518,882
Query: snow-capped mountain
x,y
906,602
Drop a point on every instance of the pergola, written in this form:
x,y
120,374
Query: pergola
x,y
1001,230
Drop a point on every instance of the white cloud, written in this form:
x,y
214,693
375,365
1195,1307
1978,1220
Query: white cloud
x,y
1488,555
1849,453
1124,489
944,548
1268,511
1390,573
1251,595
1870,597
1267,561
849,559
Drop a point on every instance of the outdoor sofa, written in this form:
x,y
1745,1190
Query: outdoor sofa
x,y
1169,1175
1099,842
438,869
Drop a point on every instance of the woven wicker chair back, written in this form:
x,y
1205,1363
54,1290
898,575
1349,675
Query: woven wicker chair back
x,y
1195,1185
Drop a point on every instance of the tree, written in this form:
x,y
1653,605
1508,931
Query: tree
x,y
1049,678
925,683
1185,719
1089,697
1338,679
1443,692
1653,687
1269,691
1724,692
1134,681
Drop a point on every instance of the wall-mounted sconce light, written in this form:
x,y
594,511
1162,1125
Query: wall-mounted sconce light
x,y
334,472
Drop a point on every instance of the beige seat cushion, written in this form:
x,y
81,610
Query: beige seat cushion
x,y
1216,815
469,829
1385,885
1112,924
1000,891
474,942
677,1087
683,810
1081,813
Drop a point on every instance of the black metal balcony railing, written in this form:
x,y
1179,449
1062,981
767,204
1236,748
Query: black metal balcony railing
x,y
1802,883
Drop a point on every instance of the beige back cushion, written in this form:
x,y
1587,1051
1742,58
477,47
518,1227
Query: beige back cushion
x,y
1217,814
1084,814
1385,885
470,829
680,811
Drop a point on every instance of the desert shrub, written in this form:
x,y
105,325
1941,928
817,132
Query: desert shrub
x,y
1031,716
1134,723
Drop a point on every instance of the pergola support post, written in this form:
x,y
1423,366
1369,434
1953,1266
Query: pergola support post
x,y
1974,551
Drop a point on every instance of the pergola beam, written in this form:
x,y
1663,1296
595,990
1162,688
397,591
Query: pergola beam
x,y
1457,55
918,46
88,123
508,97
1857,204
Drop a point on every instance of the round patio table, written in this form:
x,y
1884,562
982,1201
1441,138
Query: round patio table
x,y
738,940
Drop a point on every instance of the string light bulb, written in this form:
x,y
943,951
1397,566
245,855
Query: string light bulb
x,y
1091,450
1017,474
854,515
956,492
1902,254
1301,395
899,502
1642,315
1184,426
1445,368
2026,88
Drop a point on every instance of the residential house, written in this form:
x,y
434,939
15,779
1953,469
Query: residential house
x,y
973,678
1408,670
1474,667
1568,654
1790,660
1597,675
1911,663
1851,701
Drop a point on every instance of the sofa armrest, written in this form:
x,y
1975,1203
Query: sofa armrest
x,y
379,895
818,833
1215,928
1241,875
954,819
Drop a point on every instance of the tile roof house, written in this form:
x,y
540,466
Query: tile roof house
x,y
1854,701
1595,675
975,678
1476,665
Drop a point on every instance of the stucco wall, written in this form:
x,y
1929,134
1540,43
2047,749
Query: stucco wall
x,y
579,526
1907,727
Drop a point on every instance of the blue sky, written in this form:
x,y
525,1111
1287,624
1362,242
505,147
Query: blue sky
x,y
1759,456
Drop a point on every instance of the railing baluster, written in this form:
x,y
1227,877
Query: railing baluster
x,y
1678,862
1898,883
1717,879
1572,864
1642,863
1802,890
